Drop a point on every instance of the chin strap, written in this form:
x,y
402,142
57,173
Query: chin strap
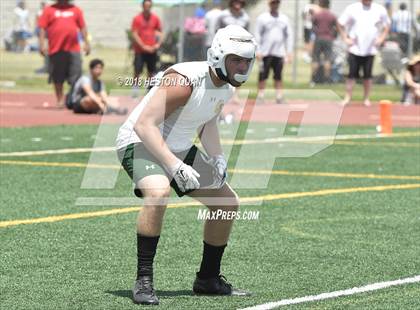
x,y
223,77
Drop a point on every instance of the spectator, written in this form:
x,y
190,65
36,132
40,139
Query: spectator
x,y
147,34
234,15
63,21
275,45
325,29
211,18
364,27
402,24
89,94
388,7
412,82
307,14
195,30
22,26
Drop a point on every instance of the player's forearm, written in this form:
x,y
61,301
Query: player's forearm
x,y
410,82
384,33
342,32
85,35
138,40
41,37
159,36
152,138
210,139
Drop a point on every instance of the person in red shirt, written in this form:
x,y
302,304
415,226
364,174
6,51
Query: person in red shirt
x,y
147,36
62,22
324,24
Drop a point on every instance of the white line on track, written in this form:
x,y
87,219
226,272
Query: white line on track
x,y
225,142
347,292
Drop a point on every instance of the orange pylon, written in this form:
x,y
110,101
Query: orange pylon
x,y
385,112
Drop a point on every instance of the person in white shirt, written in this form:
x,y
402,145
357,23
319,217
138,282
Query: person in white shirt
x,y
22,25
211,18
364,27
308,12
234,15
155,147
275,46
402,25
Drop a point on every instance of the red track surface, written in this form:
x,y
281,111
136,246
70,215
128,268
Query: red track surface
x,y
26,110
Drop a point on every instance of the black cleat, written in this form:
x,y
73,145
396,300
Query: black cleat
x,y
216,286
143,292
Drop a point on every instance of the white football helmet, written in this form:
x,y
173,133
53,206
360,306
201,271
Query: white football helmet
x,y
232,39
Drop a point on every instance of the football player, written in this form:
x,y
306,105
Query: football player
x,y
155,147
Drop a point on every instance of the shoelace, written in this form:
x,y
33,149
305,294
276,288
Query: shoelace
x,y
223,281
147,285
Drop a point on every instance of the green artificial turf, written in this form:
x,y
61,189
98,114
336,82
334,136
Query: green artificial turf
x,y
297,247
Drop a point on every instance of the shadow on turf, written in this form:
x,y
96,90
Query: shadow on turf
x,y
129,293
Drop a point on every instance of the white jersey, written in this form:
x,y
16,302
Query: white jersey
x,y
363,25
180,128
274,35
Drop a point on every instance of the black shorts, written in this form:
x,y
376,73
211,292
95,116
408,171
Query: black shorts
x,y
138,162
357,62
276,63
150,60
65,66
307,35
322,47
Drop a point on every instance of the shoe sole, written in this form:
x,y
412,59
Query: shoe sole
x,y
237,294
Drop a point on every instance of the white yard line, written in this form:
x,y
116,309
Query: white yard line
x,y
225,142
347,292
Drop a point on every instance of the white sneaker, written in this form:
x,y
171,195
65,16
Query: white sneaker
x,y
367,103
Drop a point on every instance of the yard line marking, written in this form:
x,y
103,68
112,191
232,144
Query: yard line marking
x,y
271,197
224,142
59,151
326,174
239,171
392,144
333,191
58,164
355,290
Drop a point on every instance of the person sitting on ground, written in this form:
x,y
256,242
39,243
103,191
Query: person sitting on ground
x,y
412,81
89,94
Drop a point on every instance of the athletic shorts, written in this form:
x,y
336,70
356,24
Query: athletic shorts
x,y
357,62
65,66
307,35
79,109
150,60
272,62
322,47
138,162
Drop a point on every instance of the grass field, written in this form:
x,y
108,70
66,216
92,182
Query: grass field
x,y
346,217
21,69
